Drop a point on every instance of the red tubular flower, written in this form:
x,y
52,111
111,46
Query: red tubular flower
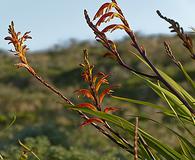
x,y
86,93
95,82
87,105
91,120
18,42
107,17
110,109
105,8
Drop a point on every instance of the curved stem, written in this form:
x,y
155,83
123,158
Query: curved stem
x,y
123,64
102,130
159,77
107,45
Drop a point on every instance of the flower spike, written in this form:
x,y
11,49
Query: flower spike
x,y
18,42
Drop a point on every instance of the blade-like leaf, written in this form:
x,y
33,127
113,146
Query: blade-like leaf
x,y
176,86
183,117
161,148
170,97
186,149
175,112
192,83
141,59
164,109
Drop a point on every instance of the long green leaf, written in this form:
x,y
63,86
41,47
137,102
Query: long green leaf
x,y
142,103
161,148
191,82
165,111
186,148
171,97
183,117
175,112
191,146
141,59
145,150
176,86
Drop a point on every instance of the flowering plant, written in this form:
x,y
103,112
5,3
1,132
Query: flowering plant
x,y
180,103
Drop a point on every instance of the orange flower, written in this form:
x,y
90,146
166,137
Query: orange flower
x,y
18,42
105,8
91,120
86,93
87,105
107,17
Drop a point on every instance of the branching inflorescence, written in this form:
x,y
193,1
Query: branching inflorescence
x,y
105,15
98,83
93,93
175,27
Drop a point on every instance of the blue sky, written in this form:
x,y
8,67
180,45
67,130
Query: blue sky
x,y
52,22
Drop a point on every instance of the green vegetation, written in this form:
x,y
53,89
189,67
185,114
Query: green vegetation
x,y
43,121
155,116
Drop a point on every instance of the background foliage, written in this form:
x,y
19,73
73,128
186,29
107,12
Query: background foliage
x,y
52,131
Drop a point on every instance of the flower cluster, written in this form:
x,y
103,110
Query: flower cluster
x,y
105,14
20,48
94,92
18,42
175,27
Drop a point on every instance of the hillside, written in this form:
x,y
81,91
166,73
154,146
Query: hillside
x,y
53,132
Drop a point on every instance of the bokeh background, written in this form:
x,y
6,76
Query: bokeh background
x,y
60,33
54,22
